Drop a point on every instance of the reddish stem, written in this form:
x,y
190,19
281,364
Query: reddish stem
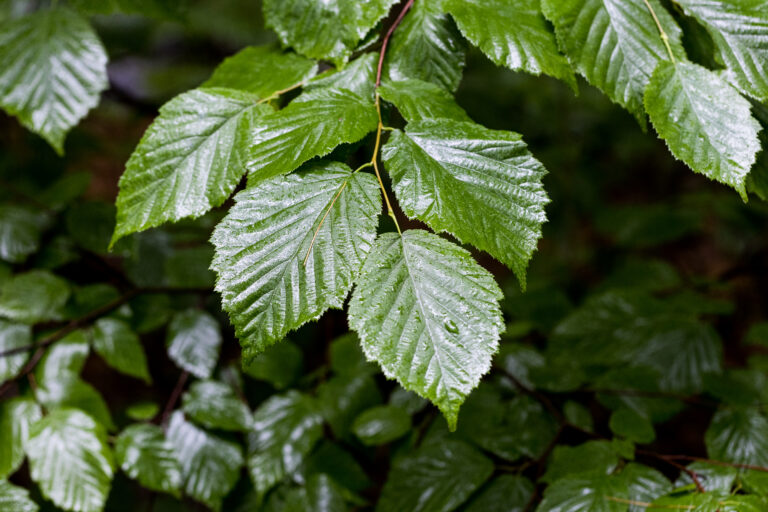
x,y
387,36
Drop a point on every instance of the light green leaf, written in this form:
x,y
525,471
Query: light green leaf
x,y
262,70
52,70
326,212
704,121
214,405
64,358
481,185
312,125
644,484
426,46
145,455
210,466
429,314
711,502
327,30
189,160
615,44
584,494
35,296
13,336
68,391
512,33
142,411
739,436
15,499
506,493
20,231
280,365
381,425
120,347
418,100
438,477
70,460
194,342
16,417
286,428
739,30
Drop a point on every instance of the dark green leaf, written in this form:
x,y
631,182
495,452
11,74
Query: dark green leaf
x,y
120,347
481,185
347,357
20,231
446,316
739,436
286,428
15,499
436,478
280,365
629,424
70,460
194,342
343,397
52,71
505,493
290,248
13,336
214,405
593,458
145,455
417,100
584,494
35,296
210,466
16,417
380,425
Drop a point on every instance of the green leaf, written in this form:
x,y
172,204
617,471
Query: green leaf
x,y
347,358
359,76
740,33
406,400
194,342
286,428
704,121
121,348
426,46
52,71
593,458
189,160
628,423
32,297
145,455
70,460
579,416
210,466
738,435
438,477
90,224
142,411
339,464
13,336
381,425
614,44
262,70
711,502
429,314
326,212
68,391
327,30
343,397
164,9
505,493
15,499
64,358
312,125
214,405
16,417
480,185
644,484
585,494
280,365
512,33
418,100
20,231
320,494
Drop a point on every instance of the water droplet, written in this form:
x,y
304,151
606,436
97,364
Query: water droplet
x,y
450,326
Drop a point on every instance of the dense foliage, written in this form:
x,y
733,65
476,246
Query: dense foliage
x,y
626,372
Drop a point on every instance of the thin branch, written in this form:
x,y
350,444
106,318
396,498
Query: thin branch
x,y
662,33
388,35
174,398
